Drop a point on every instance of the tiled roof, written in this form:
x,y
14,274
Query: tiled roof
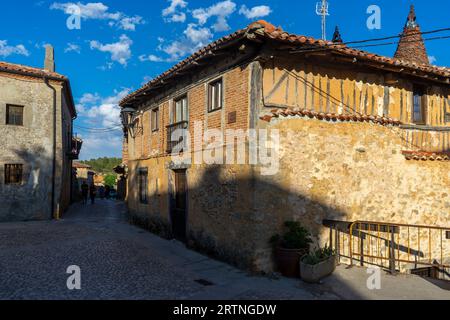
x,y
40,73
278,34
280,113
265,31
80,165
34,72
426,156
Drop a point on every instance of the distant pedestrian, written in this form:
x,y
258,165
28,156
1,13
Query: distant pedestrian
x,y
85,192
93,193
107,192
101,192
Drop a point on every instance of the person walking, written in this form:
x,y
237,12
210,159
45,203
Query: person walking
x,y
93,193
107,192
84,192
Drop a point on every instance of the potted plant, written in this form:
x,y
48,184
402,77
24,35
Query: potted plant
x,y
318,265
290,247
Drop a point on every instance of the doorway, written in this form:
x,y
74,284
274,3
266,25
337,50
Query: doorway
x,y
179,207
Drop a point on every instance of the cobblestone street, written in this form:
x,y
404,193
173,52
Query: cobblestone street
x,y
117,261
120,261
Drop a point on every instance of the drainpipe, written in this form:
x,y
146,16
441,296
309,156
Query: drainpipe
x,y
52,212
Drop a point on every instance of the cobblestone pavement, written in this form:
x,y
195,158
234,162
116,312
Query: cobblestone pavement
x,y
120,261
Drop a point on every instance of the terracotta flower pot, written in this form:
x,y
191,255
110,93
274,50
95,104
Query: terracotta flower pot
x,y
315,273
288,261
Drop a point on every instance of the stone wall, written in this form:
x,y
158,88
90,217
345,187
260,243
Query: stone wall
x,y
31,145
348,171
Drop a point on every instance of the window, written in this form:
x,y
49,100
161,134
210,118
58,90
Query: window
x,y
14,115
155,119
13,173
447,117
215,95
143,185
180,110
419,105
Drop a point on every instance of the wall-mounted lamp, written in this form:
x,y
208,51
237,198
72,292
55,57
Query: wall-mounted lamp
x,y
128,120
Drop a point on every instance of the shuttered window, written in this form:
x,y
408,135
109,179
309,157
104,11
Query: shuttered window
x,y
419,105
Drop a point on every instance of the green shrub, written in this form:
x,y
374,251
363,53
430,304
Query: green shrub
x,y
295,237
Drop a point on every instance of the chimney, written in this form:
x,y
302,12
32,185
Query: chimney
x,y
49,63
411,46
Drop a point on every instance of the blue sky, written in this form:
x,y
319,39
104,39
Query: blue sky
x,y
122,44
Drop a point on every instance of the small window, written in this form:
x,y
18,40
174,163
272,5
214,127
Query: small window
x,y
419,105
155,119
180,110
215,95
143,185
447,117
13,173
14,115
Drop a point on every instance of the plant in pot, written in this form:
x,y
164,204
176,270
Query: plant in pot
x,y
290,247
318,265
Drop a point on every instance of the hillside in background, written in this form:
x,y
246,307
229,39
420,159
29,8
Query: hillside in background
x,y
103,165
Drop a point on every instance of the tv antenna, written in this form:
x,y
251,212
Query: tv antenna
x,y
322,10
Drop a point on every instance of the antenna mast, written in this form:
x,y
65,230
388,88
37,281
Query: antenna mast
x,y
322,10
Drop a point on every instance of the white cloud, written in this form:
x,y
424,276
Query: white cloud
x,y
106,144
7,50
255,12
120,51
97,112
89,98
99,11
432,59
195,38
71,47
151,58
103,112
221,11
172,13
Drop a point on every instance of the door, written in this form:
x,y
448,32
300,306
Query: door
x,y
179,208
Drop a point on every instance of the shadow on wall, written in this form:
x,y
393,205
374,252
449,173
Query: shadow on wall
x,y
30,200
232,219
229,221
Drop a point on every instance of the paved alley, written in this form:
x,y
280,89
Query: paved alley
x,y
120,261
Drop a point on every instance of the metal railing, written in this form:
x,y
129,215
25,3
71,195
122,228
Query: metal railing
x,y
396,247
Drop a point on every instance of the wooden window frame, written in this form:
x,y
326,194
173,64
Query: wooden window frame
x,y
9,173
22,108
184,110
420,90
212,98
154,119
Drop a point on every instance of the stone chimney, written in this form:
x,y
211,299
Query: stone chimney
x,y
49,63
411,46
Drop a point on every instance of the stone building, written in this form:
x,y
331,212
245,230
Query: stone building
x,y
82,173
36,115
362,137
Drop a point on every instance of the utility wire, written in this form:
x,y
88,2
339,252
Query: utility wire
x,y
100,130
313,48
397,36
